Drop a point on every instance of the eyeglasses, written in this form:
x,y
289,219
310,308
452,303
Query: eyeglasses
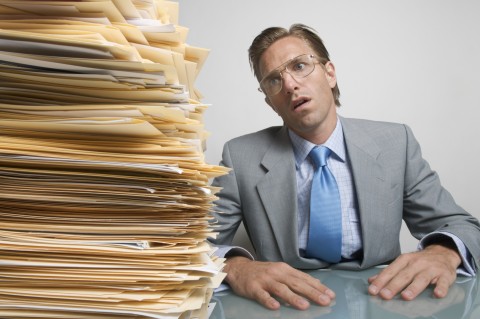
x,y
298,67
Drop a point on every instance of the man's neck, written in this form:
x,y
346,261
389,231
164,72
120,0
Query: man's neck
x,y
320,134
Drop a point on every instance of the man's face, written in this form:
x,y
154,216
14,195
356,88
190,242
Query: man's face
x,y
306,105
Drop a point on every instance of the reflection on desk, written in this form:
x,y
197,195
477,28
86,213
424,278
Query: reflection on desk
x,y
354,302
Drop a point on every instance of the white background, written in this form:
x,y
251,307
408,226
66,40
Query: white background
x,y
411,61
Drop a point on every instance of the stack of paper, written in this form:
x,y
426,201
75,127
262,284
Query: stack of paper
x,y
104,193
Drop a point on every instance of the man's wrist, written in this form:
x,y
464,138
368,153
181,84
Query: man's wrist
x,y
231,264
467,265
447,248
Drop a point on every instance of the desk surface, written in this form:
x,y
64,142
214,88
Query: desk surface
x,y
353,301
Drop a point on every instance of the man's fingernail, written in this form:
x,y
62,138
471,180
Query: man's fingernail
x,y
373,289
324,299
274,304
330,293
408,294
439,293
386,293
303,303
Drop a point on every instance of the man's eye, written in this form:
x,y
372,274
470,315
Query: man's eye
x,y
299,66
274,80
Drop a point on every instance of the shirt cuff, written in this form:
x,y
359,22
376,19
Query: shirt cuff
x,y
224,251
467,267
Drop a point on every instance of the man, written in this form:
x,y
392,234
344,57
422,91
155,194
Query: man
x,y
379,178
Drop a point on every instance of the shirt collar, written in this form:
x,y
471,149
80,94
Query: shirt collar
x,y
302,147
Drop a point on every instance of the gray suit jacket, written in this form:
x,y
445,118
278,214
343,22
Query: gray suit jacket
x,y
391,179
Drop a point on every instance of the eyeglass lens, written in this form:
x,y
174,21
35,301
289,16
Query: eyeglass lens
x,y
298,67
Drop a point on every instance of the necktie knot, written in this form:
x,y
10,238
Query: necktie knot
x,y
319,155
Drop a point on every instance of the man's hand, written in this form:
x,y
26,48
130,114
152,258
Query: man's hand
x,y
262,281
411,273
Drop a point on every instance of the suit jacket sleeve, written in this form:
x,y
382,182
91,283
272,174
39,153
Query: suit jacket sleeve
x,y
429,207
228,211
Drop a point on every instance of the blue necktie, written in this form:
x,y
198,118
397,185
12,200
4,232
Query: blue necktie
x,y
325,231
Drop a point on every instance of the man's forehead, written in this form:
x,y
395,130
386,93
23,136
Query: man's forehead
x,y
281,51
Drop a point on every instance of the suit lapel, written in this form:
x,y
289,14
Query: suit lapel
x,y
277,190
371,189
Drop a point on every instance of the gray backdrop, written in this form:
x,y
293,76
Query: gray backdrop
x,y
415,62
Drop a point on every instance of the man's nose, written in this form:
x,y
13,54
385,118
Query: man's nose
x,y
289,82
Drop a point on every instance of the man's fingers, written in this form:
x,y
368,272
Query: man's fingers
x,y
419,283
409,281
442,286
304,285
313,290
379,282
323,297
265,299
269,283
297,290
412,273
284,292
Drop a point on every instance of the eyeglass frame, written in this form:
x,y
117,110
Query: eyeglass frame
x,y
284,68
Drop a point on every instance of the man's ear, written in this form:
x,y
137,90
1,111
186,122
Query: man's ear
x,y
330,74
267,100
